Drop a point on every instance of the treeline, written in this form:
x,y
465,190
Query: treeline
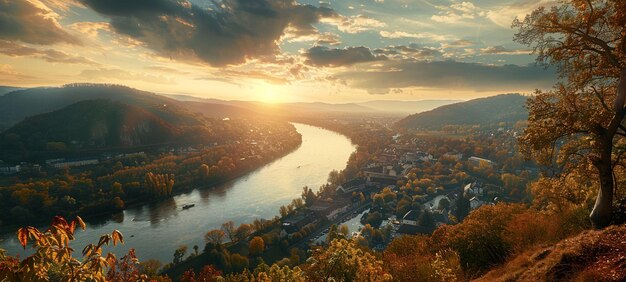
x,y
116,183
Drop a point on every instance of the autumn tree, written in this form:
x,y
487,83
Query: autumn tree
x,y
215,237
257,246
579,123
343,260
229,229
53,255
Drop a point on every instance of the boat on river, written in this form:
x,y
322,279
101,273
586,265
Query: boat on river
x,y
188,206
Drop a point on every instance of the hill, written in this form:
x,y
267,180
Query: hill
x,y
595,255
406,107
17,105
7,89
92,125
483,111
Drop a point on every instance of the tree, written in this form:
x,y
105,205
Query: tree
x,y
53,255
332,234
243,231
580,122
179,254
257,246
343,260
344,230
229,229
215,237
308,196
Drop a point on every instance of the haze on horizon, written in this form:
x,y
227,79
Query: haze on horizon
x,y
273,50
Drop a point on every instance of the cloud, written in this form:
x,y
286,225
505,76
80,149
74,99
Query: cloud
x,y
500,50
325,38
16,50
458,44
449,75
457,12
421,35
228,32
7,73
412,51
325,57
24,21
122,75
353,24
505,14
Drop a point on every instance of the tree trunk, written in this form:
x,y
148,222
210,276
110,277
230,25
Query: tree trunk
x,y
602,212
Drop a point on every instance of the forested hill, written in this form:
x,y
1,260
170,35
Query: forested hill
x,y
17,105
93,124
7,89
483,111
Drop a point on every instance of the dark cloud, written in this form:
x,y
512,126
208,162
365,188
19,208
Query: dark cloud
x,y
16,50
21,20
327,57
412,51
229,32
449,75
501,50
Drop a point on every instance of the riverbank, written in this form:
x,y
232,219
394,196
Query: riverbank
x,y
255,195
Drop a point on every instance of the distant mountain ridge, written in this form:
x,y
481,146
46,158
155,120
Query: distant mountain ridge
x,y
7,89
407,107
377,106
482,111
17,105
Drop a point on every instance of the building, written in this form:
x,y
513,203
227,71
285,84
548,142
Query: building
x,y
387,174
61,163
353,185
477,162
295,223
473,189
330,209
411,217
10,169
455,156
475,203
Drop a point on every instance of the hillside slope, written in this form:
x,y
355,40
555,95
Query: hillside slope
x,y
92,125
407,107
483,111
17,105
594,255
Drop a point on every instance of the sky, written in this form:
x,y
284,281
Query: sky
x,y
332,51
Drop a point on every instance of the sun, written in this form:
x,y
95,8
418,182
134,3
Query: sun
x,y
270,95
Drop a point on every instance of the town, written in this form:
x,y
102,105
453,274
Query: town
x,y
405,190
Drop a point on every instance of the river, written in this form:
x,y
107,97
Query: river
x,y
156,230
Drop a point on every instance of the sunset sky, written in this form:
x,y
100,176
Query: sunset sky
x,y
273,50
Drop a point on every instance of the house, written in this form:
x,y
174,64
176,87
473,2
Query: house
x,y
353,185
475,203
411,217
477,162
387,174
60,164
330,209
454,156
473,189
294,223
10,169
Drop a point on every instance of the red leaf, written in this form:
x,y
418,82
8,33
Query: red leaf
x,y
22,236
